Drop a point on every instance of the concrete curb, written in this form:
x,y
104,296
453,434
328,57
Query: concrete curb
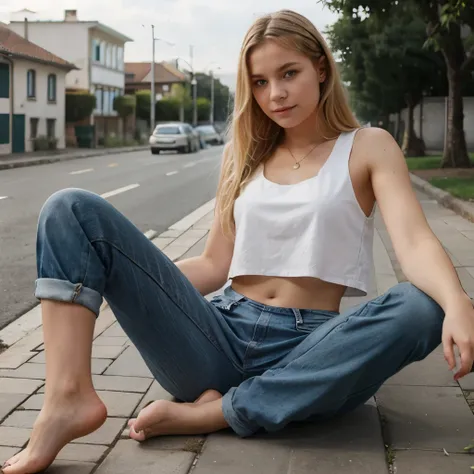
x,y
44,160
446,199
31,320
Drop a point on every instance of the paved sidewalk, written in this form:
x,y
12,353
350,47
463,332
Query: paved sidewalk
x,y
419,422
34,159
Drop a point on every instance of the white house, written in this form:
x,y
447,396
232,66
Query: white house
x,y
96,50
32,94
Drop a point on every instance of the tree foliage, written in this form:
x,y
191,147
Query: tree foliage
x,y
79,105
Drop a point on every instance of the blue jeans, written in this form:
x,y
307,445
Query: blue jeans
x,y
273,365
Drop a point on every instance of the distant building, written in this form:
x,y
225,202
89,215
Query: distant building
x,y
96,49
32,94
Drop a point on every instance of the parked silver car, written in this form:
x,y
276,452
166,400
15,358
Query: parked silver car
x,y
174,136
209,135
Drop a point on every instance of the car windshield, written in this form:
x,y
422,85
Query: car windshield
x,y
206,129
168,130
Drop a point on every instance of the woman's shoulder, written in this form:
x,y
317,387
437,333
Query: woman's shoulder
x,y
373,139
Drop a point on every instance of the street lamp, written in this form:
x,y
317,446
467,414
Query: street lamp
x,y
152,79
211,73
194,86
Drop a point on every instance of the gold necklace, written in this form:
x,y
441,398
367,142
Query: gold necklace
x,y
297,163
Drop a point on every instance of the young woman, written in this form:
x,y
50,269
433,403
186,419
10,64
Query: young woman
x,y
293,231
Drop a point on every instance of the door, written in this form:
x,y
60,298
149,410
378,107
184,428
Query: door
x,y
18,134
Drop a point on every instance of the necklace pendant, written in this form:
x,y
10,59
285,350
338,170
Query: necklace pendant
x,y
296,166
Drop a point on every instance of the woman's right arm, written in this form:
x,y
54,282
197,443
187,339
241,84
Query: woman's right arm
x,y
208,272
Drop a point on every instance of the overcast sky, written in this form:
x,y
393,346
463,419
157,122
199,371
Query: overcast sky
x,y
215,27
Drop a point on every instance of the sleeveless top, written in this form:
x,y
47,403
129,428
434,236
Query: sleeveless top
x,y
314,228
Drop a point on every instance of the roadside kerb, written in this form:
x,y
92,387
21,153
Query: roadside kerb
x,y
44,160
463,208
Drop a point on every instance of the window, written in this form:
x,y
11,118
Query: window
x,y
31,84
114,57
96,50
109,56
34,128
102,52
106,105
120,59
4,81
52,80
167,130
98,97
51,128
166,88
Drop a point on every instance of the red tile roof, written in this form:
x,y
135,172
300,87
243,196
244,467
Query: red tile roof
x,y
19,47
164,73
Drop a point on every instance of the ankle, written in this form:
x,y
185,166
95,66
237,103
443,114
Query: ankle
x,y
68,390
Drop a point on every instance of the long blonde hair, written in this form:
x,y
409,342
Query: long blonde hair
x,y
254,136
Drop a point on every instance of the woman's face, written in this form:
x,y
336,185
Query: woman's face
x,y
285,83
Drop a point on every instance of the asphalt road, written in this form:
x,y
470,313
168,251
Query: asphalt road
x,y
170,186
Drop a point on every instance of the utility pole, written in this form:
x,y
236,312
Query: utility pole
x,y
212,97
152,88
194,85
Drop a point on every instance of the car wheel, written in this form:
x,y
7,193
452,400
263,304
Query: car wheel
x,y
154,151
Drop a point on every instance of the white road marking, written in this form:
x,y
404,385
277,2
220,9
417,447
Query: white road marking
x,y
119,190
88,170
171,173
112,165
3,197
190,165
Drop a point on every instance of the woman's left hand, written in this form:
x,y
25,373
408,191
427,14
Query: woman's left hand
x,y
458,328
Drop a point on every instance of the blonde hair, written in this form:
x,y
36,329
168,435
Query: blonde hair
x,y
254,136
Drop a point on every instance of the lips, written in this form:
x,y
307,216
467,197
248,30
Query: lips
x,y
283,109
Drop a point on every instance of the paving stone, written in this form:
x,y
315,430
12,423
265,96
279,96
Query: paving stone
x,y
129,364
70,467
174,252
110,341
104,321
115,330
171,233
467,382
8,402
106,434
22,419
81,452
121,384
350,444
429,462
162,242
6,453
14,437
432,371
145,458
426,417
156,392
190,238
23,386
98,352
29,342
12,360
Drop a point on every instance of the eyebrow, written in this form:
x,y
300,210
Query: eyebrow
x,y
281,68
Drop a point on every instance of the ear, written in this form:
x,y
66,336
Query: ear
x,y
321,66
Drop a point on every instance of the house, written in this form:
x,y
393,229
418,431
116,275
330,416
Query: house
x,y
98,52
138,77
32,94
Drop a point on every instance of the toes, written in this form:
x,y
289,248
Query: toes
x,y
140,436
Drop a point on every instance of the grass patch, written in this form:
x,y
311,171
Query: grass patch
x,y
462,188
427,162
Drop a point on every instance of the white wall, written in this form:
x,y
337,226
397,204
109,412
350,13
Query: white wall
x,y
69,41
106,77
40,107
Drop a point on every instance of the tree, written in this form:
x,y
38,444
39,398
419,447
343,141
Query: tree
x,y
143,106
183,97
387,68
450,29
221,95
125,106
203,109
79,105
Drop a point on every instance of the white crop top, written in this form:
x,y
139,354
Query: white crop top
x,y
314,228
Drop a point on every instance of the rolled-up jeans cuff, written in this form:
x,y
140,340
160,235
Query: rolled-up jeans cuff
x,y
63,290
232,418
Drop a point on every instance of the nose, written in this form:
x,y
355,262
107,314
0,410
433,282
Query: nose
x,y
277,91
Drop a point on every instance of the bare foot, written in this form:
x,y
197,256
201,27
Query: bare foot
x,y
57,424
164,417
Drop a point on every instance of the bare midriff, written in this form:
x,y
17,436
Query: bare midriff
x,y
300,292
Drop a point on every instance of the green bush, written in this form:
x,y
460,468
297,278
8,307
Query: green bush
x,y
143,103
79,105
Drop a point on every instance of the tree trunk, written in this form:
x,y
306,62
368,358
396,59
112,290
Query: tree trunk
x,y
455,148
412,145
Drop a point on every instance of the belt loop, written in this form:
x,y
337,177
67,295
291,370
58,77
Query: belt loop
x,y
299,318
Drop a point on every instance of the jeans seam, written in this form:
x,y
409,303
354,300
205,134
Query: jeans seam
x,y
211,339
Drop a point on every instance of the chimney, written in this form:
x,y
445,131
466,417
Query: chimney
x,y
70,15
26,28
